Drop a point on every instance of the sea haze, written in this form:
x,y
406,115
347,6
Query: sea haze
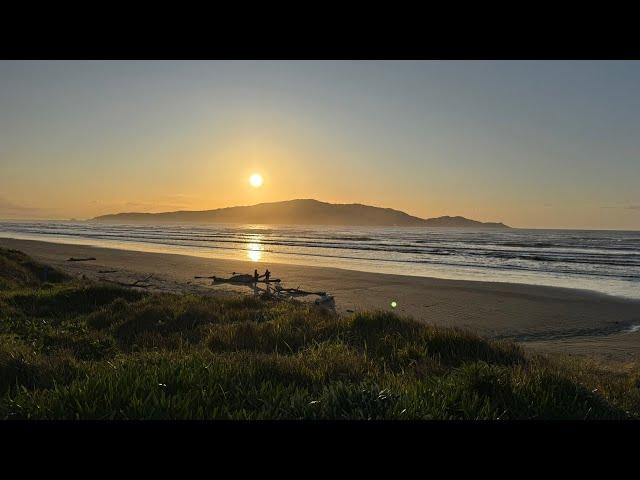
x,y
598,260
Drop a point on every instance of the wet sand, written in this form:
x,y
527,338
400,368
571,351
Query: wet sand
x,y
549,319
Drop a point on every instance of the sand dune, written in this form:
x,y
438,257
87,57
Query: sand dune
x,y
549,318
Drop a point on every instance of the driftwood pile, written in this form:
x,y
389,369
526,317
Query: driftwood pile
x,y
278,292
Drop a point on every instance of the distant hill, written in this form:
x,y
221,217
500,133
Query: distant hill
x,y
448,221
299,212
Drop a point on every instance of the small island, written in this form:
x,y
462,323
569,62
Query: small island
x,y
300,212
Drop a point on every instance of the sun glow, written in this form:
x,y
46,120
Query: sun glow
x,y
256,180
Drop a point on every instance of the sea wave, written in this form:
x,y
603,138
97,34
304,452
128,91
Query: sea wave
x,y
541,254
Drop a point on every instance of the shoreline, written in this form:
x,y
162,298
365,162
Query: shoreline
x,y
554,319
272,248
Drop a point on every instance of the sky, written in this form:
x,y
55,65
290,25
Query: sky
x,y
532,144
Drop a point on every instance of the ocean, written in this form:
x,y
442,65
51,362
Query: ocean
x,y
604,261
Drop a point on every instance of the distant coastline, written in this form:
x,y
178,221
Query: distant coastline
x,y
300,212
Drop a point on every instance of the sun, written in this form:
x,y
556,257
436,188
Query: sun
x,y
256,180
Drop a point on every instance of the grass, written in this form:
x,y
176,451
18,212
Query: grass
x,y
84,350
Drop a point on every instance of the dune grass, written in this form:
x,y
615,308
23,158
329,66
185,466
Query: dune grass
x,y
85,350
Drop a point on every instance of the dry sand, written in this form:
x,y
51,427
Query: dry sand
x,y
550,319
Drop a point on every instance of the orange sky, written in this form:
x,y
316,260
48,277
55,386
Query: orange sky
x,y
526,143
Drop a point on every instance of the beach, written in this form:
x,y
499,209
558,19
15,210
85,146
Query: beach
x,y
549,319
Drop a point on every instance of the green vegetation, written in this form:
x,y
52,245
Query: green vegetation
x,y
84,350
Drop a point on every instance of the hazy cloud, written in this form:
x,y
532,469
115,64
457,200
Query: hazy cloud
x,y
10,209
625,207
145,207
137,206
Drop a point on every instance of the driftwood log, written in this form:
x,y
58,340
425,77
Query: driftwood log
x,y
141,283
298,291
84,259
245,280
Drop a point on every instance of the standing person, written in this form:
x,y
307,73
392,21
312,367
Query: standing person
x,y
267,274
255,276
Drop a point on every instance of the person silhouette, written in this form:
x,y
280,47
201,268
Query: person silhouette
x,y
267,274
255,276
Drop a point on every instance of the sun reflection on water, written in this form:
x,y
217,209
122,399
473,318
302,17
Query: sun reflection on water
x,y
254,252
